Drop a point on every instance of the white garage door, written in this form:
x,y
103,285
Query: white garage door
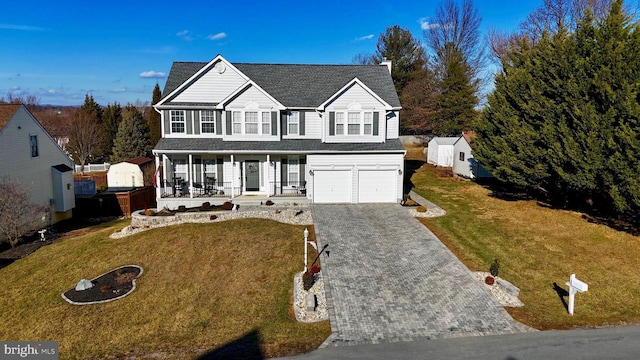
x,y
377,186
332,186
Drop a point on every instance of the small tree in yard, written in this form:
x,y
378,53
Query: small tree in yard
x,y
17,214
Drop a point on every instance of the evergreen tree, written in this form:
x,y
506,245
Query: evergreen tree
x,y
132,139
91,107
154,117
456,101
111,118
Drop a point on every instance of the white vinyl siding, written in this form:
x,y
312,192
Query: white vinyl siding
x,y
213,86
207,122
177,121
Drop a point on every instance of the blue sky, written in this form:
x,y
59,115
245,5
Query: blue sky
x,y
118,50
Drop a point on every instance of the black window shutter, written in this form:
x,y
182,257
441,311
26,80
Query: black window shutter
x,y
218,122
284,171
303,163
284,123
228,120
301,122
274,123
376,123
332,123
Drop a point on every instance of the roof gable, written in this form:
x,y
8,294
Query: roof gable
x,y
294,85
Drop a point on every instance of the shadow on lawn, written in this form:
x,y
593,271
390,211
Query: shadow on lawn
x,y
246,347
562,293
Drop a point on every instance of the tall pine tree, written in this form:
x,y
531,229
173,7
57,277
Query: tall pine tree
x,y
132,139
154,117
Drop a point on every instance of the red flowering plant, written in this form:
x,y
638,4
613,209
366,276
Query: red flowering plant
x,y
308,277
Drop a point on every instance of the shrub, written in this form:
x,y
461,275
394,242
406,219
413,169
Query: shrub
x,y
489,280
213,217
269,203
206,205
494,268
308,278
182,208
421,209
104,288
410,203
227,205
149,212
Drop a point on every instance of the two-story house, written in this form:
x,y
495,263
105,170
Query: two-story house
x,y
327,133
32,157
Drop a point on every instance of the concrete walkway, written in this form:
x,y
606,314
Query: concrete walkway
x,y
389,279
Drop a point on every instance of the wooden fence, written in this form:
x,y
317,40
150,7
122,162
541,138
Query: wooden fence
x,y
130,201
110,203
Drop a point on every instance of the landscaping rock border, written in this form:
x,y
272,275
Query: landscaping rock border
x,y
300,304
96,287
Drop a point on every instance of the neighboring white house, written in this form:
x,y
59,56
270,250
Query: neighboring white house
x,y
31,156
440,151
130,173
464,163
327,133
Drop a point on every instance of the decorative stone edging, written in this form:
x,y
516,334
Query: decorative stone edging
x,y
299,300
505,292
133,283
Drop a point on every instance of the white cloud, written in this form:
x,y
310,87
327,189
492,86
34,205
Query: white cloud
x,y
366,37
184,34
425,25
119,90
20,27
218,36
153,75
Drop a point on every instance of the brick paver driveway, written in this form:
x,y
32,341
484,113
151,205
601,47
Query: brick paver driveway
x,y
388,279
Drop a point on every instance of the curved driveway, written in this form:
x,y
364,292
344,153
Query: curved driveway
x,y
389,279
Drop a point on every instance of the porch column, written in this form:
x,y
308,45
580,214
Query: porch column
x,y
190,175
164,172
266,176
233,176
156,178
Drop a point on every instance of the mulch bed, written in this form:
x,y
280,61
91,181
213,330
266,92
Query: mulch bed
x,y
113,285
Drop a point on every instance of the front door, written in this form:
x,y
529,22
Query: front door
x,y
252,175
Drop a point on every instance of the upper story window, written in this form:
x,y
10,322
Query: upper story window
x,y
207,122
177,121
237,122
293,123
33,142
368,123
251,122
266,123
339,123
357,123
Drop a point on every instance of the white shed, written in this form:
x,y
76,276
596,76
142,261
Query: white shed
x,y
440,151
130,173
463,162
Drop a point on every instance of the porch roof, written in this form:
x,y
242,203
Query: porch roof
x,y
300,146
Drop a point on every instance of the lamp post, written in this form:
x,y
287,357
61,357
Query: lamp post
x,y
306,236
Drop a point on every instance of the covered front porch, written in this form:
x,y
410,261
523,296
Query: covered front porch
x,y
194,178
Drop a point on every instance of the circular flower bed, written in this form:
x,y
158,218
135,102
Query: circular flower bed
x,y
110,286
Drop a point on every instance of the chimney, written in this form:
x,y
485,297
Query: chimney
x,y
386,63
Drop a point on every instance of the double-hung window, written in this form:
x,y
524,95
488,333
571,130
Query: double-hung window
x,y
33,142
368,123
339,123
177,121
293,121
251,122
237,122
207,122
353,127
293,171
266,123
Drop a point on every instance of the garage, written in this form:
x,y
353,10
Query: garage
x,y
377,186
332,186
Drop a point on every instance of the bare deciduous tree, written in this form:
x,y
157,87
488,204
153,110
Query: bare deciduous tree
x,y
17,214
84,137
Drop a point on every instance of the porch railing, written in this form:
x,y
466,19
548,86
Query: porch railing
x,y
290,188
182,189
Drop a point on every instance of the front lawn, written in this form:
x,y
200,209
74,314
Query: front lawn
x,y
538,248
219,289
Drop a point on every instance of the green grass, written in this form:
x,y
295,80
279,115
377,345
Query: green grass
x,y
203,286
538,246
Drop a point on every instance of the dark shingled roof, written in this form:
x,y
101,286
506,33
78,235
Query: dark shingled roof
x,y
299,85
291,145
